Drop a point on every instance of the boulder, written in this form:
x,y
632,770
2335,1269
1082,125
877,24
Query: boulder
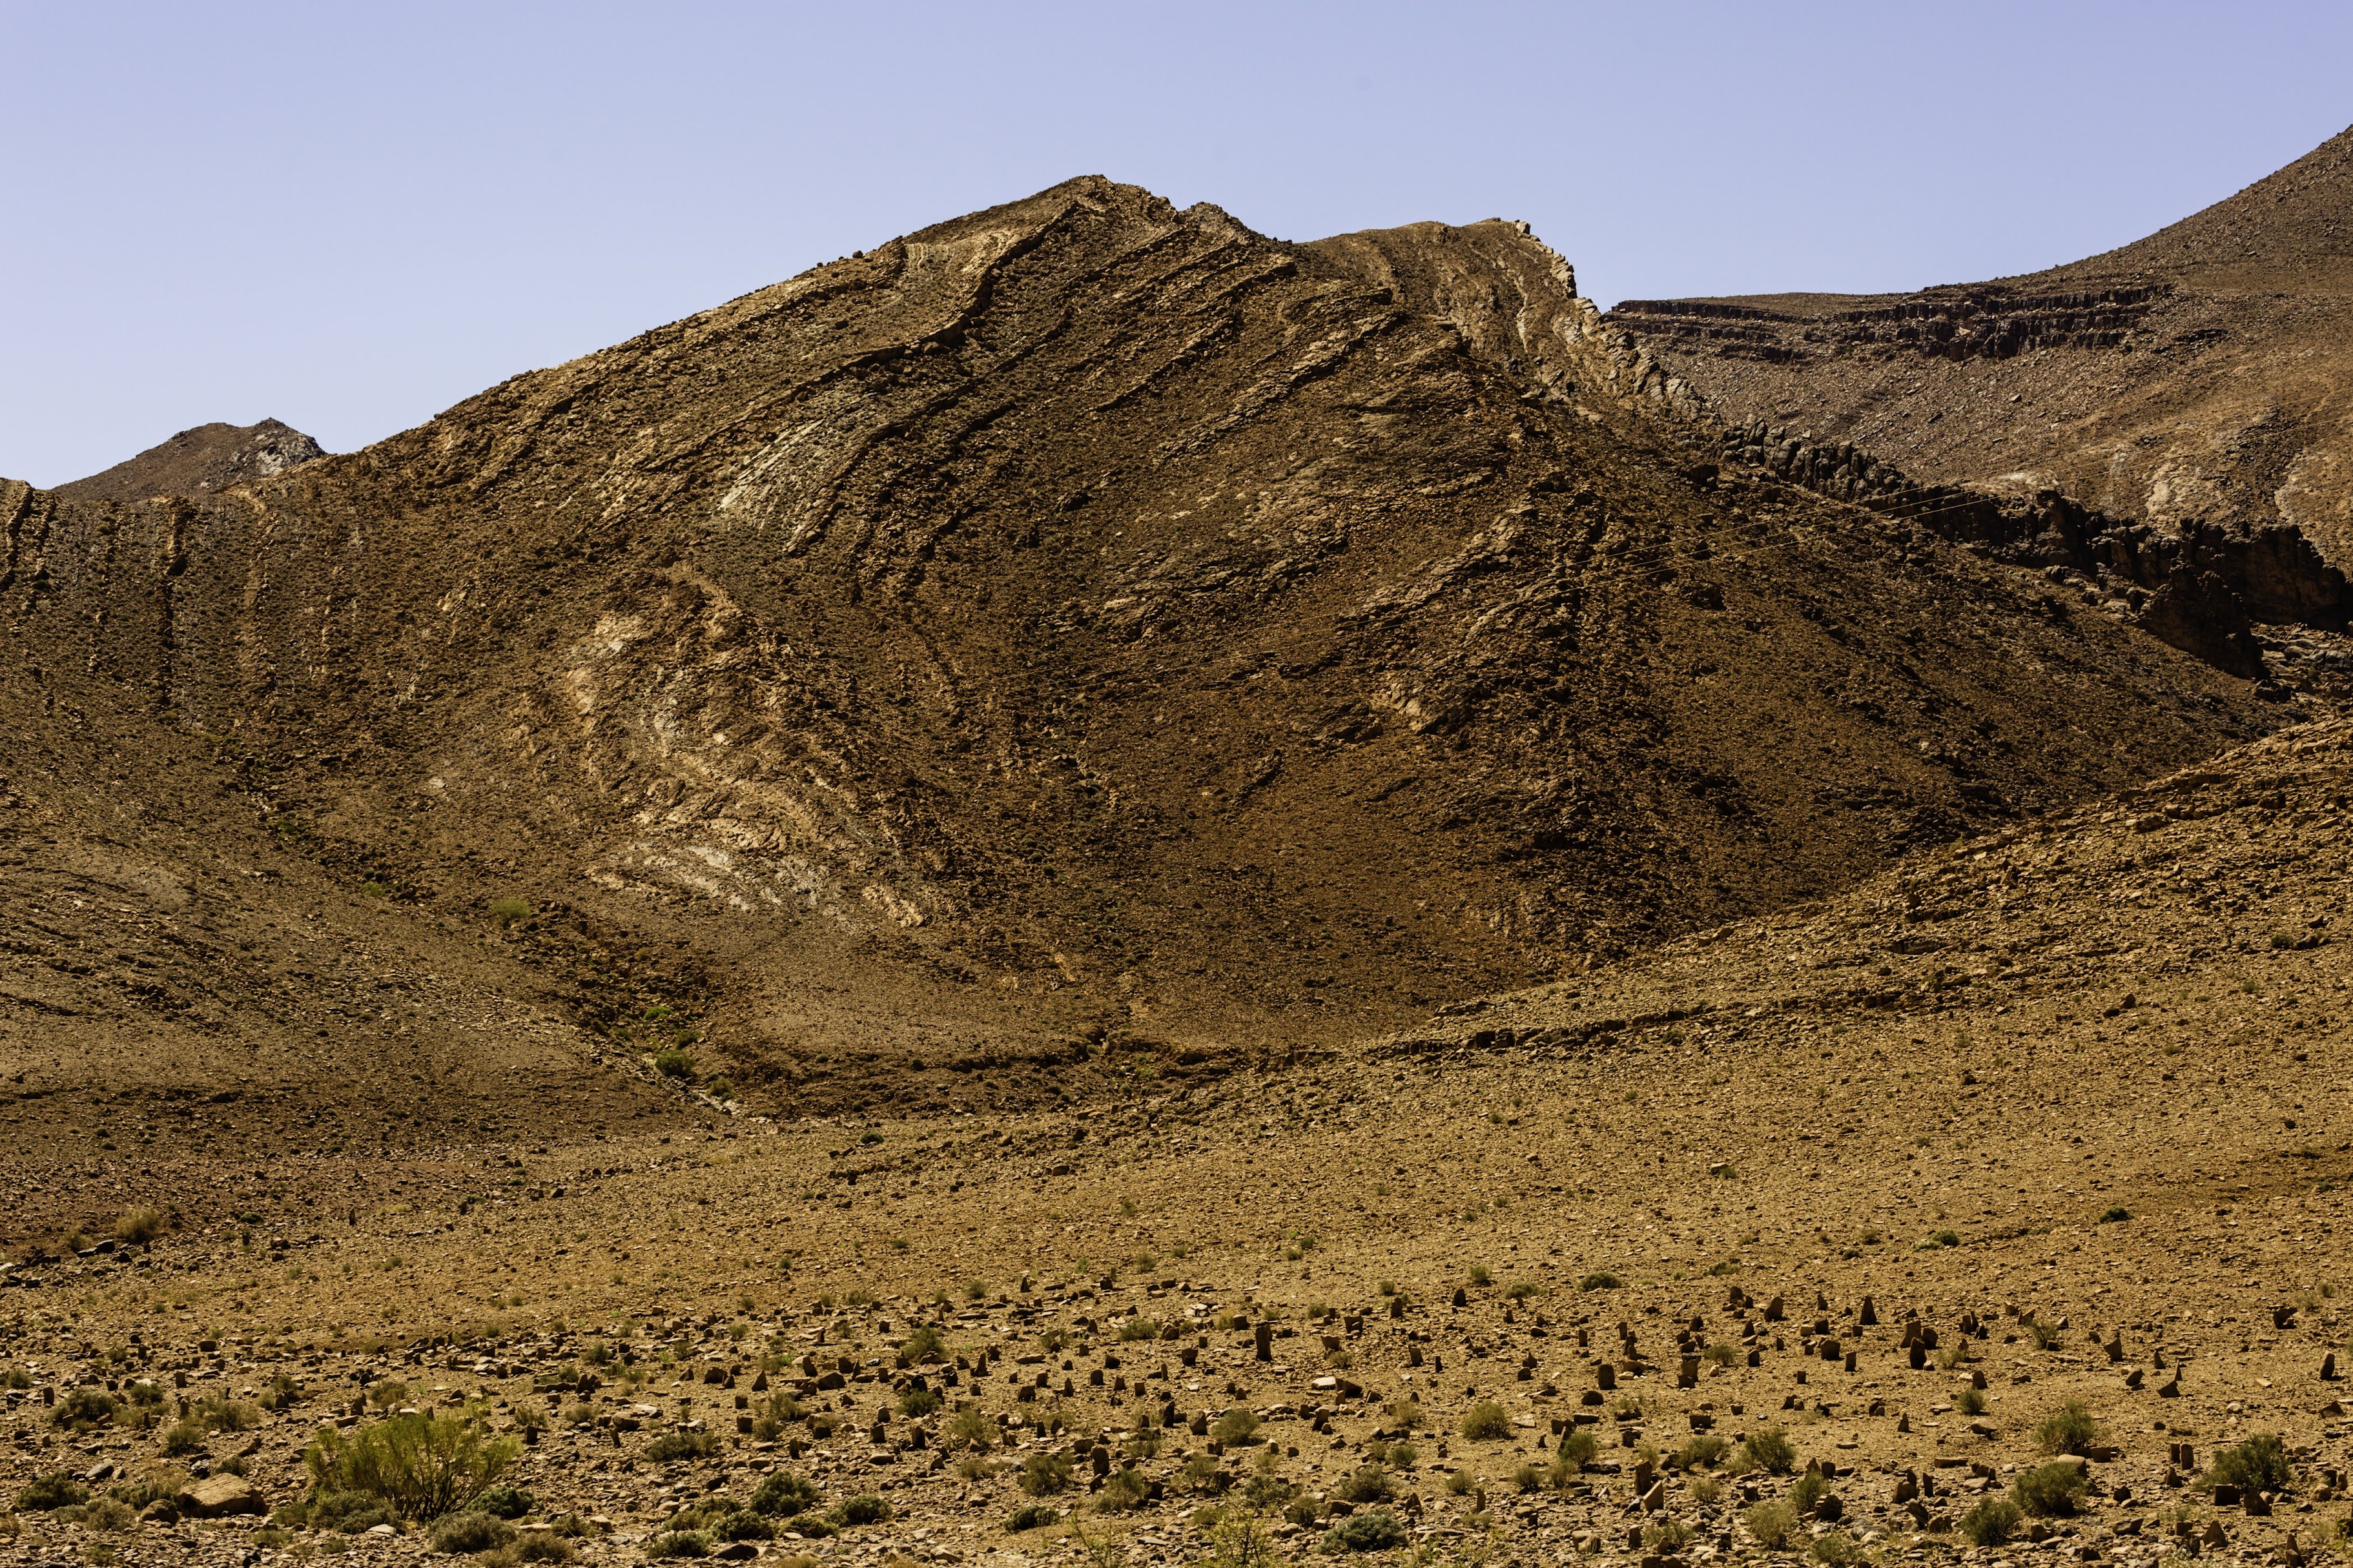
x,y
216,1497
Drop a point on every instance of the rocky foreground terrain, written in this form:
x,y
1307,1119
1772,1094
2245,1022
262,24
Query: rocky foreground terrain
x,y
1830,1232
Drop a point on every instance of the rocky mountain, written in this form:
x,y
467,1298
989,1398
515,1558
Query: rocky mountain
x,y
2197,376
1044,651
208,458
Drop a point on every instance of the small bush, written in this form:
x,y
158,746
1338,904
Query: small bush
x,y
85,1408
783,1495
971,1429
863,1509
1136,1329
2071,1431
1371,1483
1030,1515
780,1411
1666,1534
1970,1401
1938,1238
1772,1523
923,1347
182,1438
1705,1451
1124,1490
1375,1532
51,1492
674,1063
1486,1421
1991,1522
506,1502
1528,1478
1235,1427
1462,1483
1835,1550
349,1512
1046,1472
2115,1216
1807,1491
138,1224
470,1532
2257,1464
2051,1491
1770,1450
1520,1289
509,912
1577,1448
222,1414
1480,1276
678,1543
1600,1279
674,1446
420,1466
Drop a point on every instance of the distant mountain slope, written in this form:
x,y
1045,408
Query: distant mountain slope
x,y
200,461
2202,373
1081,628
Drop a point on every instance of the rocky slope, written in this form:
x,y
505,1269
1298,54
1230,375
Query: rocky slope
x,y
1082,623
2030,1152
2198,376
208,458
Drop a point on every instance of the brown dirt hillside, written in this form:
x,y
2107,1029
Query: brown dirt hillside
x,y
1081,622
2198,374
208,459
2030,1152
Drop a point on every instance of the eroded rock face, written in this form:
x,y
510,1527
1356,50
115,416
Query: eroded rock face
x,y
1091,612
202,461
2200,375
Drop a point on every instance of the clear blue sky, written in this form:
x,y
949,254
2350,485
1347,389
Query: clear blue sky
x,y
352,216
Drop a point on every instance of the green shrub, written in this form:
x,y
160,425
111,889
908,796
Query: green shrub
x,y
506,1502
1480,1276
1770,1450
1030,1515
1528,1478
1124,1490
1939,1238
1808,1489
1772,1523
678,1543
138,1224
509,911
863,1509
222,1414
2257,1464
780,1411
349,1512
1520,1289
420,1466
470,1532
181,1437
85,1408
1666,1534
968,1428
1486,1421
1835,1549
1970,1401
674,1063
1046,1472
1577,1448
51,1492
1235,1427
923,1347
743,1524
1375,1532
543,1549
921,1402
1703,1451
1991,1522
1371,1483
674,1446
1138,1328
2051,1491
2071,1431
783,1495
2113,1215
1600,1279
